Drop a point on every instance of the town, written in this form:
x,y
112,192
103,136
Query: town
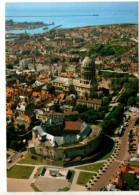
x,y
10,25
72,110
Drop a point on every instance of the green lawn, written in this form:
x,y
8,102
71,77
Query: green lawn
x,y
38,172
91,167
71,175
34,187
108,154
84,177
20,172
64,189
28,160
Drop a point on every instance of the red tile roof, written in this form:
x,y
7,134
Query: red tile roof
x,y
70,125
24,117
9,112
35,94
130,168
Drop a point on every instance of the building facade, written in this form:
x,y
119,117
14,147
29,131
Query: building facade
x,y
87,83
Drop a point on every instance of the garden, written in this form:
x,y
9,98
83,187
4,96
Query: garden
x,y
84,177
91,167
20,172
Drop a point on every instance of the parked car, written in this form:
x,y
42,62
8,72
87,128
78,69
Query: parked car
x,y
9,160
21,155
22,150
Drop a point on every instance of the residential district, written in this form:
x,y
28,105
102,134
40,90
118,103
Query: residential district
x,y
72,110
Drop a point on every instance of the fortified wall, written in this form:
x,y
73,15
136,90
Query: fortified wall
x,y
68,152
72,151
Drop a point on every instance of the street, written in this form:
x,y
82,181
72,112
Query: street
x,y
115,166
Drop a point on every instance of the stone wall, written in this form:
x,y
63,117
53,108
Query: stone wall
x,y
61,153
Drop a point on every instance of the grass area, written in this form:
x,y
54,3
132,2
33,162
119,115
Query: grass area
x,y
71,174
108,154
84,177
38,172
28,160
64,189
91,167
20,172
11,150
34,187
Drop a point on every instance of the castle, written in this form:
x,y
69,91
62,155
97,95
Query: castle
x,y
59,140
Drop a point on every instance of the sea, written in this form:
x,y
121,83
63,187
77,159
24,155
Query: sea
x,y
71,14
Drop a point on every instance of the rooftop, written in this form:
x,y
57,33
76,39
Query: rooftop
x,y
70,125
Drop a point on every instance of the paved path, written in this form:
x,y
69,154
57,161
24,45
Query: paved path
x,y
32,174
84,170
77,188
18,185
99,161
114,167
75,177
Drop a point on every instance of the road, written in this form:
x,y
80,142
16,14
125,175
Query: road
x,y
14,159
115,166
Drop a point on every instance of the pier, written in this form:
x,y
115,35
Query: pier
x,y
56,27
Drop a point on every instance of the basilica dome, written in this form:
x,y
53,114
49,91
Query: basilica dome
x,y
87,62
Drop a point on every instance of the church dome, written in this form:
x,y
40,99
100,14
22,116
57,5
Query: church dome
x,y
87,62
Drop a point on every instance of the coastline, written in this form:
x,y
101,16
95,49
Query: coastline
x,y
57,26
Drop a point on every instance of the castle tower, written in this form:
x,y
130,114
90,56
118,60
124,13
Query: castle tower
x,y
88,71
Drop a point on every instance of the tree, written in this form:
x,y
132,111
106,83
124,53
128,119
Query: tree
x,y
86,95
26,52
74,60
137,121
105,102
110,123
72,90
31,81
130,91
50,88
10,134
105,91
100,95
131,101
93,95
56,108
22,127
55,60
13,144
130,147
9,66
80,108
16,61
37,122
72,117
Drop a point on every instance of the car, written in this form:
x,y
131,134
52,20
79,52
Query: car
x,y
21,155
22,150
9,160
